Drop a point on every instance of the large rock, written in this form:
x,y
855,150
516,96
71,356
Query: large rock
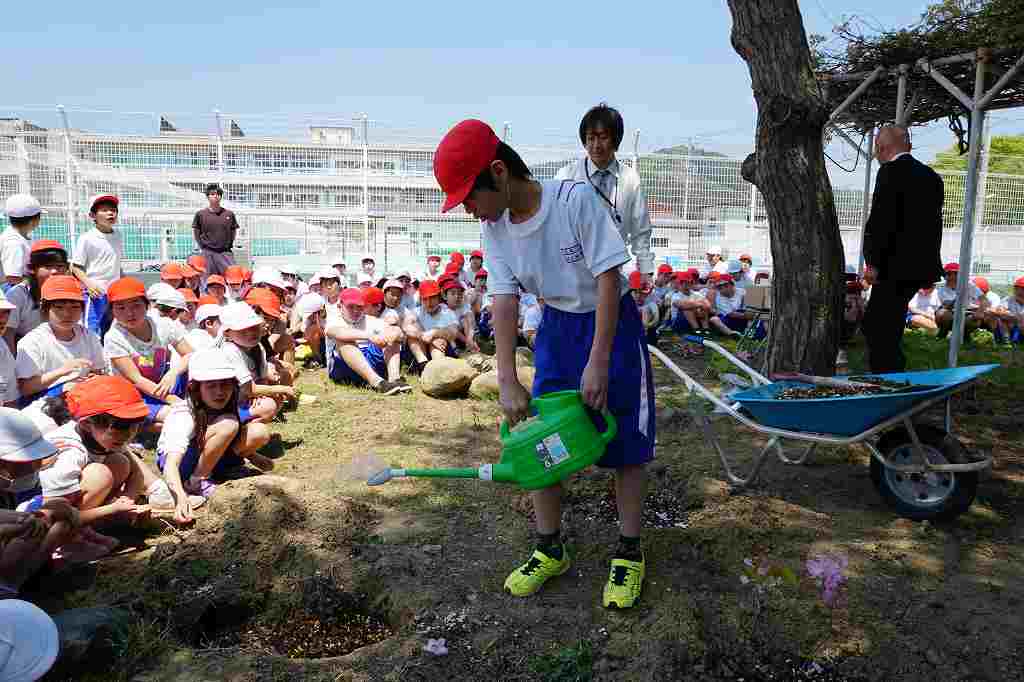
x,y
480,362
447,377
485,386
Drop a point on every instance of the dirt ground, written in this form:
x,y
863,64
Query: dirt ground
x,y
306,574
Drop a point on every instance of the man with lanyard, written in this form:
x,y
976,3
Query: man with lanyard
x,y
617,185
214,229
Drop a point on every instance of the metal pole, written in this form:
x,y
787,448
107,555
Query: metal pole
x,y
506,134
869,157
366,184
967,226
220,149
70,212
901,93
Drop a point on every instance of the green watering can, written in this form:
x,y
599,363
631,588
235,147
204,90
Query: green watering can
x,y
561,440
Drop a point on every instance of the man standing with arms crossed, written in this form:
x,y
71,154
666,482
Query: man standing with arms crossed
x,y
902,239
617,185
214,229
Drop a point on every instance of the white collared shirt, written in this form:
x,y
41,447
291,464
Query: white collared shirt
x,y
620,184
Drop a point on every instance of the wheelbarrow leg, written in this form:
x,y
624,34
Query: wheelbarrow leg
x,y
735,479
799,460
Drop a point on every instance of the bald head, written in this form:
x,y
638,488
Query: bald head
x,y
891,140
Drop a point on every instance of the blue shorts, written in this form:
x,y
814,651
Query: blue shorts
x,y
98,315
681,325
561,353
341,373
190,461
155,404
736,324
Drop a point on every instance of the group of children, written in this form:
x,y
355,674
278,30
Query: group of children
x,y
931,309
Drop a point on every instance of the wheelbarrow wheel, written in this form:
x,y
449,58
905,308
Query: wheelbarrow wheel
x,y
927,496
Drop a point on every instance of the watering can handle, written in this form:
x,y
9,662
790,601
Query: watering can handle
x,y
611,427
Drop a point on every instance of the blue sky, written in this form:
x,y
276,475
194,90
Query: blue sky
x,y
668,66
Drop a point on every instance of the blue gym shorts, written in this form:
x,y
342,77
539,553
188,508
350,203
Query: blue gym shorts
x,y
562,348
341,373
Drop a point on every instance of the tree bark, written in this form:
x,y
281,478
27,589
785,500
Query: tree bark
x,y
788,166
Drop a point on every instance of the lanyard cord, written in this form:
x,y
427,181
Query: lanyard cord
x,y
615,197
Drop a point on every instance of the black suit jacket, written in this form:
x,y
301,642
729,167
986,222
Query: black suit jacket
x,y
903,234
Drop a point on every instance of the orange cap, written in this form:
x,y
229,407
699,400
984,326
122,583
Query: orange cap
x,y
429,288
171,271
234,274
216,279
47,245
982,284
126,289
62,288
188,270
190,296
265,300
105,394
198,263
373,296
207,299
246,274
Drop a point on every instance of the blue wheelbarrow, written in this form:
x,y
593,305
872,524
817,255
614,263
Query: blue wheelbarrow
x,y
923,472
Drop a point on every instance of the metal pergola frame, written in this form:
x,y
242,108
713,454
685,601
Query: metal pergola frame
x,y
978,106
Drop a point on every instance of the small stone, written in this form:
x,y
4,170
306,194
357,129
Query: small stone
x,y
432,549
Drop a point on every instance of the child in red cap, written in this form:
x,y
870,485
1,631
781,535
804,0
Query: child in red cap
x,y
431,328
454,295
643,295
367,351
46,257
556,240
729,316
96,260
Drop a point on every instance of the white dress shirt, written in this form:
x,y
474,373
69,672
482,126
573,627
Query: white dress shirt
x,y
625,201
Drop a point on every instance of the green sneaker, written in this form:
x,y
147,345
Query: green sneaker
x,y
625,582
532,575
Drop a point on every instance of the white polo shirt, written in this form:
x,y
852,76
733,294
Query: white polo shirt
x,y
367,323
99,255
725,305
947,295
27,315
559,252
621,185
15,249
442,317
924,304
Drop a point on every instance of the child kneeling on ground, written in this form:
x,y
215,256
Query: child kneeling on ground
x,y
556,239
241,331
203,436
367,351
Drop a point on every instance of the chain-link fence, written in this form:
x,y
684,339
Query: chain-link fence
x,y
337,188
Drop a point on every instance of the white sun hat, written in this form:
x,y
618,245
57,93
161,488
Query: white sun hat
x,y
206,311
29,641
162,293
238,316
210,364
23,206
20,439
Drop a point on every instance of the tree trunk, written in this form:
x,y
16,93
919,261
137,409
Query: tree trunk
x,y
788,166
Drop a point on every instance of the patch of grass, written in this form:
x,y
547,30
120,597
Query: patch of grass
x,y
569,664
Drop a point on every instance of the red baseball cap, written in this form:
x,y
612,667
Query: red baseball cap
x,y
457,257
451,268
234,274
636,280
477,254
429,288
216,279
373,296
683,276
951,267
463,154
746,257
62,288
352,296
103,198
47,245
106,394
451,283
198,263
125,289
481,274
982,284
664,269
172,271
1019,282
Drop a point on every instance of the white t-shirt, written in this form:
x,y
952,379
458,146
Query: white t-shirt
x,y
725,305
924,304
650,313
40,352
99,254
994,301
461,311
245,366
8,377
947,295
200,338
43,421
26,315
442,317
14,253
678,296
64,476
178,429
152,357
559,252
659,294
367,323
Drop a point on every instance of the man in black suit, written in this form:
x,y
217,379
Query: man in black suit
x,y
901,245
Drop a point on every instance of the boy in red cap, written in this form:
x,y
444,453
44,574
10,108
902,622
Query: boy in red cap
x,y
976,303
453,294
690,310
46,257
555,239
643,295
476,263
1010,314
431,328
96,260
433,270
367,351
460,272
727,303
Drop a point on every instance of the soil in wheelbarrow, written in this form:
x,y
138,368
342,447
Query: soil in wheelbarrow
x,y
836,391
